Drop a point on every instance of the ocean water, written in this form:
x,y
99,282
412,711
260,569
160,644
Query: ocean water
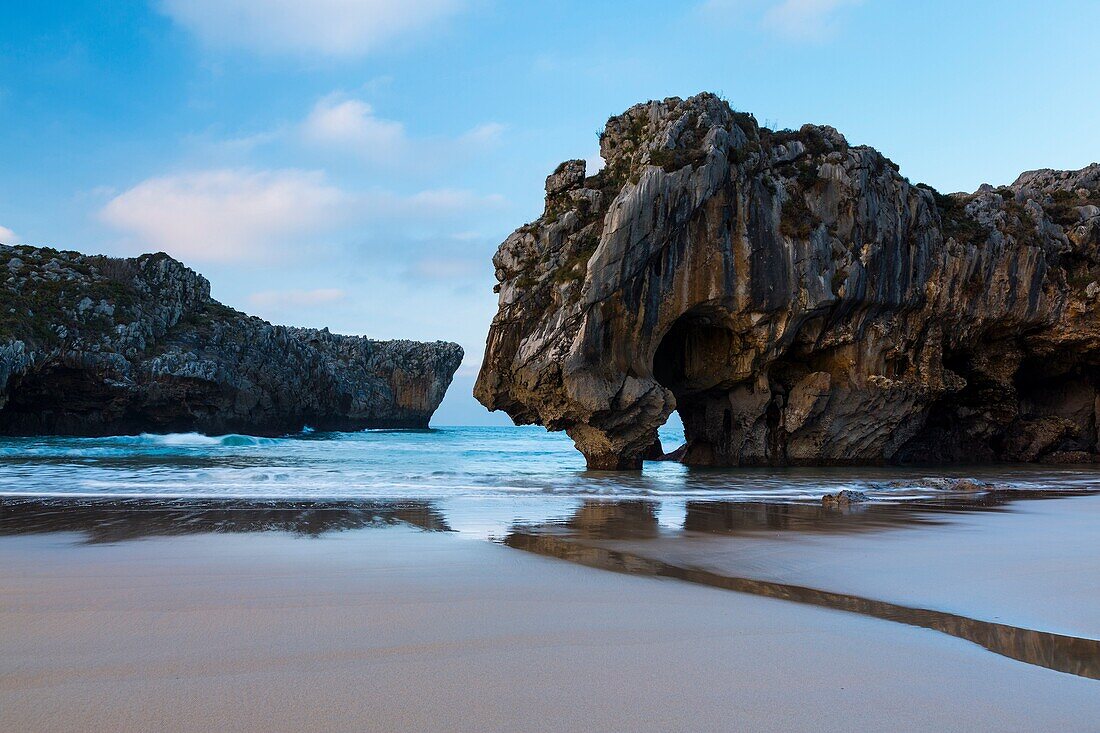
x,y
438,464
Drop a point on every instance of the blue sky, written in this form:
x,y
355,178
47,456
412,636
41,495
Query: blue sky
x,y
354,163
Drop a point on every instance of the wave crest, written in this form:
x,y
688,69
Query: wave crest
x,y
198,440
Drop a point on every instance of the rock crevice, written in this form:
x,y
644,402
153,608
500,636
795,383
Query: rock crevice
x,y
797,301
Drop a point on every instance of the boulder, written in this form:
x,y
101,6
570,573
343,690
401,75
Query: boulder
x,y
843,498
798,301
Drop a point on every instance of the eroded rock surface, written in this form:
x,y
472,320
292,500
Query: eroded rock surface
x,y
798,301
93,345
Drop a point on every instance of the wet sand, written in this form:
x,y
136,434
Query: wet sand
x,y
1029,563
394,628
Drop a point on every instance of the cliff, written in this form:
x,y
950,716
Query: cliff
x,y
92,345
798,301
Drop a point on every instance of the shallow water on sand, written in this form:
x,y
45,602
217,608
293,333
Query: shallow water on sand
x,y
483,479
443,463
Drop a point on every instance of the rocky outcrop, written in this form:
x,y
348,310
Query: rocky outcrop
x,y
798,301
92,345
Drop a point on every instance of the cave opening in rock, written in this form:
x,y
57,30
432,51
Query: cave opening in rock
x,y
77,401
1011,407
1057,410
696,360
964,422
54,400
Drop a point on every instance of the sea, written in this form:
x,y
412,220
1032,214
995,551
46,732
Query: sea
x,y
483,479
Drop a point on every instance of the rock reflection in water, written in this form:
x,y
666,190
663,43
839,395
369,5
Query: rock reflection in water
x,y
638,519
731,517
116,520
1070,654
635,519
588,538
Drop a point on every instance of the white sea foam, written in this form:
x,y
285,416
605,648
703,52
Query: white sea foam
x,y
196,440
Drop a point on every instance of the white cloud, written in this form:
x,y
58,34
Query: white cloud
x,y
484,134
442,201
799,20
237,214
404,221
471,364
223,215
720,9
805,19
349,125
594,163
444,268
325,27
7,236
297,298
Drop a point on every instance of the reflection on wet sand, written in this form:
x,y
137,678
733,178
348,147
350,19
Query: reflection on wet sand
x,y
116,520
637,519
620,519
572,540
578,537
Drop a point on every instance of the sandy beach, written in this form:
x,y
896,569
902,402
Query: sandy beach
x,y
401,628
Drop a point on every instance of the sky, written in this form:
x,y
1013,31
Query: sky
x,y
355,163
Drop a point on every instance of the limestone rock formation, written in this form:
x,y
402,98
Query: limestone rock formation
x,y
798,301
92,345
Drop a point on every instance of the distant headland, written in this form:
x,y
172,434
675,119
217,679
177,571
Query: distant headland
x,y
94,345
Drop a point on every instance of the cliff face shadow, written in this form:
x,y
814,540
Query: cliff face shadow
x,y
117,520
